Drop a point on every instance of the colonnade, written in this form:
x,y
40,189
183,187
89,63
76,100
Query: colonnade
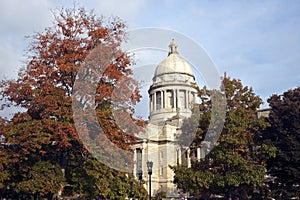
x,y
174,98
183,157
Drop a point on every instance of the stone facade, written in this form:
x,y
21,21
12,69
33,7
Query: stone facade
x,y
172,95
263,112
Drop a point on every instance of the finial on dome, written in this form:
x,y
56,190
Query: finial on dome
x,y
173,47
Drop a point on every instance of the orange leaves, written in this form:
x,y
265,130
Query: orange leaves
x,y
44,135
100,32
16,92
112,130
45,86
64,135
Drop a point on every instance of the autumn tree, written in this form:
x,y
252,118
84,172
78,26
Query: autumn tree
x,y
235,165
41,153
284,134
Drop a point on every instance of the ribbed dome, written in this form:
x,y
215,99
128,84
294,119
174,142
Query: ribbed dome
x,y
174,90
173,63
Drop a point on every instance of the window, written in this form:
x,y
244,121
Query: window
x,y
161,171
161,155
139,159
151,102
158,100
182,99
169,99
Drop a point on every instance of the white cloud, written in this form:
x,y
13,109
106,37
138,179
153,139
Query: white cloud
x,y
21,18
24,16
8,61
18,19
255,41
129,10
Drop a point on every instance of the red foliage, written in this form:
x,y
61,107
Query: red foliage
x,y
45,86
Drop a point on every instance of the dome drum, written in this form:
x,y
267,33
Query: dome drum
x,y
174,90
165,102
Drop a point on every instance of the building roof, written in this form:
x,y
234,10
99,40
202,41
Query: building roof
x,y
173,63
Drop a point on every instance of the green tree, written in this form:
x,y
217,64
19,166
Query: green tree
x,y
235,167
41,153
284,134
44,179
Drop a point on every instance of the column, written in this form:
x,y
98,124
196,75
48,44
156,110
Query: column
x,y
174,98
194,97
165,98
188,158
151,102
177,99
173,91
186,99
179,156
154,101
161,100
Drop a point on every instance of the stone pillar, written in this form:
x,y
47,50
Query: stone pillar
x,y
179,161
151,103
188,151
165,98
186,99
154,101
161,100
174,98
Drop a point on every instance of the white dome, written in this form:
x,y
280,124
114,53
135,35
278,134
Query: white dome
x,y
173,90
173,63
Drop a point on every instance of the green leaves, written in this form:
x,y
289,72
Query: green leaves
x,y
284,134
43,178
237,163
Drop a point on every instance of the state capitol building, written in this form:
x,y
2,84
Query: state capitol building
x,y
172,95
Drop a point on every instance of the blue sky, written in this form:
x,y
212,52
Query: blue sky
x,y
255,41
